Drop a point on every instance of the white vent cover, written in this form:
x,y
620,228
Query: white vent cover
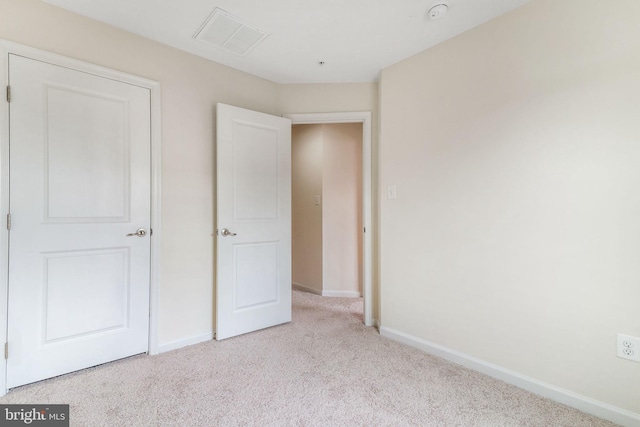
x,y
230,33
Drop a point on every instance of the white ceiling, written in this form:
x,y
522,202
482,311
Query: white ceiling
x,y
355,38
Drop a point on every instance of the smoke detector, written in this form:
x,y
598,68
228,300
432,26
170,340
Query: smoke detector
x,y
437,11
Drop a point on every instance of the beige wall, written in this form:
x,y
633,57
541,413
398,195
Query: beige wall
x,y
515,234
191,86
306,216
342,209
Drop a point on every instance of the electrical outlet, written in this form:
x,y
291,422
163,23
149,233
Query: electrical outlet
x,y
628,347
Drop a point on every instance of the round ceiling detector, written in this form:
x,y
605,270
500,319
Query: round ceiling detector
x,y
438,11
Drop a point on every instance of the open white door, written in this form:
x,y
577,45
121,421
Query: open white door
x,y
253,288
79,184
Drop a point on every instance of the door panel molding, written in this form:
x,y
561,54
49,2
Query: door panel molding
x,y
7,48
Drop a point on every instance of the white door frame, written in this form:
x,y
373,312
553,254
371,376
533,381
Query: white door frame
x,y
7,48
363,117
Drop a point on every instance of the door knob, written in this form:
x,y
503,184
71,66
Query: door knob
x,y
140,232
225,232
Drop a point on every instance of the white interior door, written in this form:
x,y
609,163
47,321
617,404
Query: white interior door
x,y
253,288
79,183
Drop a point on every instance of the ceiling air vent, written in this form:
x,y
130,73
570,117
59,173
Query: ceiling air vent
x,y
230,33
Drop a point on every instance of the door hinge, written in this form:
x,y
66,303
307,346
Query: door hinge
x,y
6,350
8,221
365,229
8,93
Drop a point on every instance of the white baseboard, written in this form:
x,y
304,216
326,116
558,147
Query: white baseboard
x,y
341,294
583,403
305,288
174,345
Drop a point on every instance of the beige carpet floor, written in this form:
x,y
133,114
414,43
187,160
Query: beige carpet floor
x,y
322,369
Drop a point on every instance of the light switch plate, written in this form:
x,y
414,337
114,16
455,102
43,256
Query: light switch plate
x,y
392,192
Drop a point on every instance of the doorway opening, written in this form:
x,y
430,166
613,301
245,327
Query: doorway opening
x,y
326,208
335,207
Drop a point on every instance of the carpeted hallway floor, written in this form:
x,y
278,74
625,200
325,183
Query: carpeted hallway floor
x,y
322,369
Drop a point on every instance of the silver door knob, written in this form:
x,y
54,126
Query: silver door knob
x,y
225,232
140,232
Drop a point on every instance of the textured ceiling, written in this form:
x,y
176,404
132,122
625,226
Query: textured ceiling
x,y
354,38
